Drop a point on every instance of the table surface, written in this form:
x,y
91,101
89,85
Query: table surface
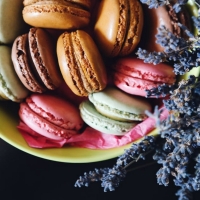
x,y
26,177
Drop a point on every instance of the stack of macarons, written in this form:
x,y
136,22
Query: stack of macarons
x,y
89,46
113,111
12,24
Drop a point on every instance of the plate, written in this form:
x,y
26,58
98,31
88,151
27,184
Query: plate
x,y
9,133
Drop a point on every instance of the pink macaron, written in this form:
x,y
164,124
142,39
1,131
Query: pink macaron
x,y
134,76
51,116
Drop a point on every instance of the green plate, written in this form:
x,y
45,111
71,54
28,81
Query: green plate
x,y
9,133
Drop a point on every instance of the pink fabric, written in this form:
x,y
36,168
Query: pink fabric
x,y
90,138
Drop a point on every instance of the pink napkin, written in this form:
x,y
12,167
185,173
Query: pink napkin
x,y
90,138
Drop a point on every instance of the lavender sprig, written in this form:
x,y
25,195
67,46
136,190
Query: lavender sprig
x,y
180,131
111,177
183,52
157,3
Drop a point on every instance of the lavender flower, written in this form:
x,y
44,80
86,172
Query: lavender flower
x,y
179,141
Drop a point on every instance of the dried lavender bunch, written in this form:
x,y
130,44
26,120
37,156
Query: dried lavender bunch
x,y
181,135
180,132
157,3
184,53
111,177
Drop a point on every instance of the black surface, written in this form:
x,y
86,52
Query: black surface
x,y
26,177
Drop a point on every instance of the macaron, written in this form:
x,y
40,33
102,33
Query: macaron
x,y
118,26
87,4
81,63
35,62
56,14
51,116
162,16
11,21
11,87
113,111
134,76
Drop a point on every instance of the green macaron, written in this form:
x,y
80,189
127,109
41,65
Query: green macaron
x,y
11,21
10,86
113,111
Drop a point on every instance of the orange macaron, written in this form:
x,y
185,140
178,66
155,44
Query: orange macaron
x,y
118,26
57,14
80,63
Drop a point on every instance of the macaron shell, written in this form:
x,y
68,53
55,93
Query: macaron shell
x,y
134,76
98,71
117,104
85,3
154,18
80,62
55,14
10,84
106,26
11,21
42,126
68,66
44,57
133,85
102,123
56,110
24,66
136,68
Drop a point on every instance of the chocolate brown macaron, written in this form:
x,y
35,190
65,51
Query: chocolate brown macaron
x,y
57,14
118,26
163,15
80,63
34,59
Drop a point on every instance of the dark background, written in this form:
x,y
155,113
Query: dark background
x,y
26,177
